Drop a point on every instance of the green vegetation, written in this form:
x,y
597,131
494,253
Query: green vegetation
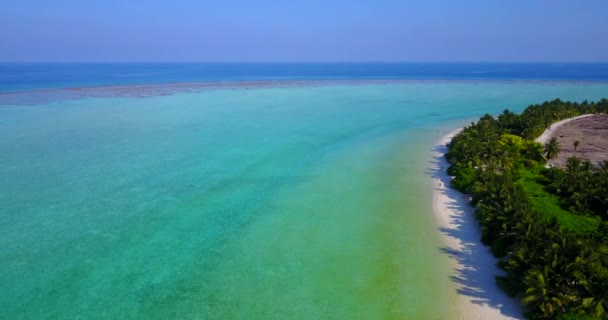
x,y
548,226
552,148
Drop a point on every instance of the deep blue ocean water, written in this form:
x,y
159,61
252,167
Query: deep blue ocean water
x,y
15,77
252,200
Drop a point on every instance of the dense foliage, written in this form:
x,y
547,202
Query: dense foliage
x,y
548,226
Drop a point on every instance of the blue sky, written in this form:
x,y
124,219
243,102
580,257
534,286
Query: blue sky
x,y
310,30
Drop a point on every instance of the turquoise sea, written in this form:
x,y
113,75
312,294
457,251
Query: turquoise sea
x,y
304,200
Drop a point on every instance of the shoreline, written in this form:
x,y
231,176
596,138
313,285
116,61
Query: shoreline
x,y
473,267
546,136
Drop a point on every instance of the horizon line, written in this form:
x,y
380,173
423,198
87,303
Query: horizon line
x,y
306,62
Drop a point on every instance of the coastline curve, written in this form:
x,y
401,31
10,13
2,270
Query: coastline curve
x,y
473,266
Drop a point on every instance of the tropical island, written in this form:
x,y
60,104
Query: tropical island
x,y
547,223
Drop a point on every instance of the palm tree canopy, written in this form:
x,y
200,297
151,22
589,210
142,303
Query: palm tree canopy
x,y
552,148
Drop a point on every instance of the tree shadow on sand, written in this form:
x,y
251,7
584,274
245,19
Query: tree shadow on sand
x,y
476,270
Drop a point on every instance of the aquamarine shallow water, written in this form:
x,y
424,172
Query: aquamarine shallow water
x,y
308,202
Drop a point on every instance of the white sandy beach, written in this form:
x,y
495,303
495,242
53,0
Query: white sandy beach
x,y
474,267
546,136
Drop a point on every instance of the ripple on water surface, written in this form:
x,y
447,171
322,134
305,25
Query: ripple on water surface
x,y
303,202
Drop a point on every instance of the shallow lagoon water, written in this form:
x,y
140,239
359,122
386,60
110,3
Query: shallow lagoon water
x,y
304,202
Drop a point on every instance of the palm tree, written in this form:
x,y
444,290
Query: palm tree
x,y
552,148
541,295
573,166
589,275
